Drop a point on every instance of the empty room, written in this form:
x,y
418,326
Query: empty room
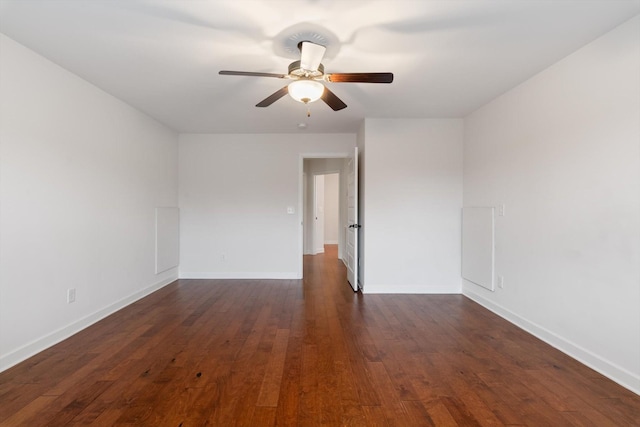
x,y
320,212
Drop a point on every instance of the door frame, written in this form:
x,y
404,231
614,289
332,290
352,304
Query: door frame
x,y
301,158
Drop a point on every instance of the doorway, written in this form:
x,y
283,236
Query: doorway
x,y
324,204
346,167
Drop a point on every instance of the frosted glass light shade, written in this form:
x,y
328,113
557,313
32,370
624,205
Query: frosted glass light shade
x,y
306,91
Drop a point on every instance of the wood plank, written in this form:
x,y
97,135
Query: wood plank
x,y
270,389
392,408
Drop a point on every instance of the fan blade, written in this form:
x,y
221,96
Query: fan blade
x,y
360,77
311,55
332,100
273,97
251,74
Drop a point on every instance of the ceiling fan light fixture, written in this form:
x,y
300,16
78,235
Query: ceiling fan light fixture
x,y
306,91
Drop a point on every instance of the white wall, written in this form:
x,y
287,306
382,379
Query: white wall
x,y
331,208
80,176
234,194
413,197
307,210
562,151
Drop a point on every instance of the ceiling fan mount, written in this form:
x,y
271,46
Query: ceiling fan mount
x,y
308,78
295,69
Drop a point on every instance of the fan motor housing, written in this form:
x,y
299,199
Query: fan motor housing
x,y
295,70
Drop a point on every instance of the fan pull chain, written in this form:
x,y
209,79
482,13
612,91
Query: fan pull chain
x,y
308,111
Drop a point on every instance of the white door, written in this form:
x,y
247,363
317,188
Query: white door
x,y
318,210
352,221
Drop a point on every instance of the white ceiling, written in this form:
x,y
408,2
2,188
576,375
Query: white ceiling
x,y
163,57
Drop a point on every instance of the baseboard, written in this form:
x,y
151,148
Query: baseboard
x,y
418,290
610,370
319,251
40,344
330,242
241,275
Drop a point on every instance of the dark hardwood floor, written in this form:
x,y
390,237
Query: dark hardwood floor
x,y
306,353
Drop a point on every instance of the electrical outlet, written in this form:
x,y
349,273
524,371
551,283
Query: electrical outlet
x,y
71,295
501,282
502,210
223,258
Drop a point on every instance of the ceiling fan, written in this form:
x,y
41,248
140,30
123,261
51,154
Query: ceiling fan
x,y
307,77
